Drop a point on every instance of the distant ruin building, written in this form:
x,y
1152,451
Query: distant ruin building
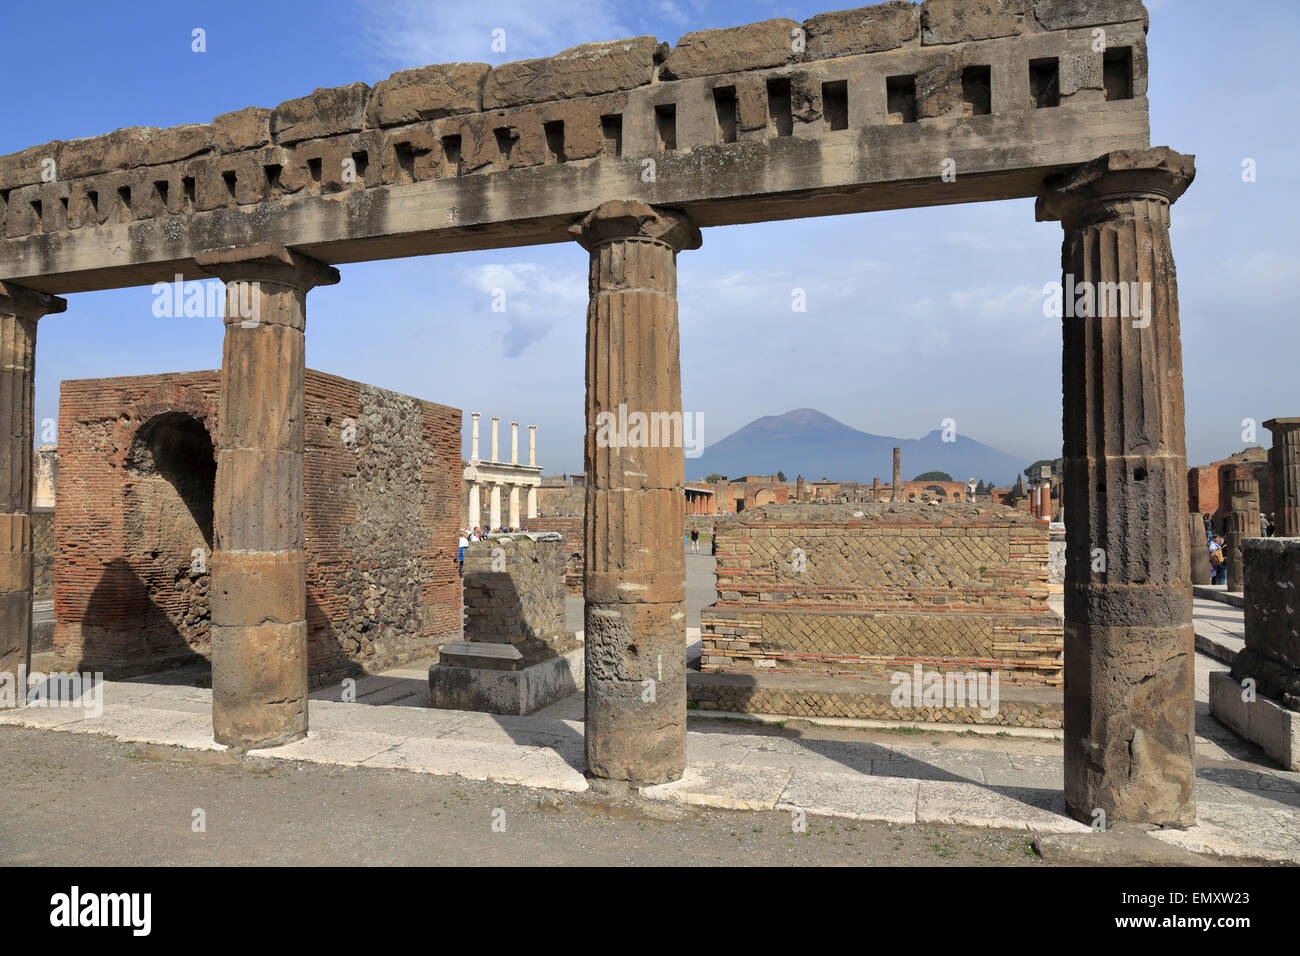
x,y
134,524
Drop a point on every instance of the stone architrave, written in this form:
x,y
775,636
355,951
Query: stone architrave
x,y
1129,644
259,584
1243,522
635,613
20,309
1284,460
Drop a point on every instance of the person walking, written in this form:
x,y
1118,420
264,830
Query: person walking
x,y
695,539
1218,566
713,542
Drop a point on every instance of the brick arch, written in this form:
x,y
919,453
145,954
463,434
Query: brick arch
x,y
172,398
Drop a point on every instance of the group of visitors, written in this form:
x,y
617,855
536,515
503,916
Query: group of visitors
x,y
467,536
691,540
1214,541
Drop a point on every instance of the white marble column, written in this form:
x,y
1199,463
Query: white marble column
x,y
474,442
495,505
514,507
514,443
495,425
475,504
532,502
532,446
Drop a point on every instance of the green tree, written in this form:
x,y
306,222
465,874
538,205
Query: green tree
x,y
780,476
933,476
715,477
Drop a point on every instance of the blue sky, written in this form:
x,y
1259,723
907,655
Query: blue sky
x,y
913,316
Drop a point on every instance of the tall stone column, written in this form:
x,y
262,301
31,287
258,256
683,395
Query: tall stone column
x,y
475,514
532,502
1243,522
494,506
897,489
1128,603
496,422
473,454
875,489
514,443
20,309
634,584
259,584
1284,460
532,446
514,507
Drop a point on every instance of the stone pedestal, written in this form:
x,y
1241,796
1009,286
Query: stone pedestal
x,y
20,310
259,590
1284,461
635,617
1129,644
1243,522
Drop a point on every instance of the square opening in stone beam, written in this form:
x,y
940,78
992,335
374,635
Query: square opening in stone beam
x,y
361,162
724,104
160,188
36,209
900,99
272,173
92,197
404,158
124,201
666,125
835,104
506,138
1117,73
611,131
231,180
451,154
314,169
780,116
4,202
187,190
977,90
554,133
1045,83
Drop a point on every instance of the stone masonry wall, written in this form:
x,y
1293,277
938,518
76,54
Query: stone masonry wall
x,y
872,589
571,530
43,554
381,479
514,594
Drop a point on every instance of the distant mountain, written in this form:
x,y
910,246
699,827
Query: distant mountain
x,y
808,442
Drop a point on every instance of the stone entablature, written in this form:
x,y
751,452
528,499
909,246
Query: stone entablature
x,y
1008,95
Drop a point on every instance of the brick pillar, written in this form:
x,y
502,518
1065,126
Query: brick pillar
x,y
259,585
1284,459
1243,521
1128,629
897,489
20,309
634,585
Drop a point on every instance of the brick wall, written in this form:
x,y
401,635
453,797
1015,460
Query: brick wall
x,y
381,481
1207,485
871,589
514,594
571,530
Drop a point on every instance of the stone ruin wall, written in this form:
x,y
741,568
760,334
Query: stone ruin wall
x,y
574,544
514,594
380,517
884,587
874,68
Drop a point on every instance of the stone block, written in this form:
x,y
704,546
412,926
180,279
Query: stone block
x,y
586,70
242,129
732,50
1070,14
427,93
326,112
1272,590
259,684
251,588
514,692
959,21
873,29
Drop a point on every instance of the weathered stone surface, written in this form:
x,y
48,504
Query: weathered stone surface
x,y
939,89
733,49
1079,71
242,129
1284,465
1068,14
957,21
586,70
873,29
1129,643
428,93
326,112
25,167
1272,652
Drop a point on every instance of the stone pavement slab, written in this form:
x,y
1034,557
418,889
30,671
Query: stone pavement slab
x,y
1004,808
726,786
1270,834
854,797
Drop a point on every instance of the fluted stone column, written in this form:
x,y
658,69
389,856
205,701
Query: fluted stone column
x,y
1128,604
1243,522
20,309
634,585
475,506
1284,462
259,588
494,506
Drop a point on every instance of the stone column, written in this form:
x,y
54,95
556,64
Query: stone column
x,y
798,488
514,507
20,309
634,585
875,489
1243,522
259,584
1198,552
1284,459
897,489
495,424
532,446
532,502
473,454
494,507
1128,628
475,514
514,443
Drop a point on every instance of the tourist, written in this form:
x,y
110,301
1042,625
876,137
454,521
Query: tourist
x,y
713,542
477,535
1218,566
695,540
464,543
1209,529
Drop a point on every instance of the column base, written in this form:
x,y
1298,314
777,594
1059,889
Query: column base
x,y
259,684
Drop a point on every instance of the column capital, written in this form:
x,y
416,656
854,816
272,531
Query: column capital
x,y
629,219
1277,425
28,303
267,262
1092,191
